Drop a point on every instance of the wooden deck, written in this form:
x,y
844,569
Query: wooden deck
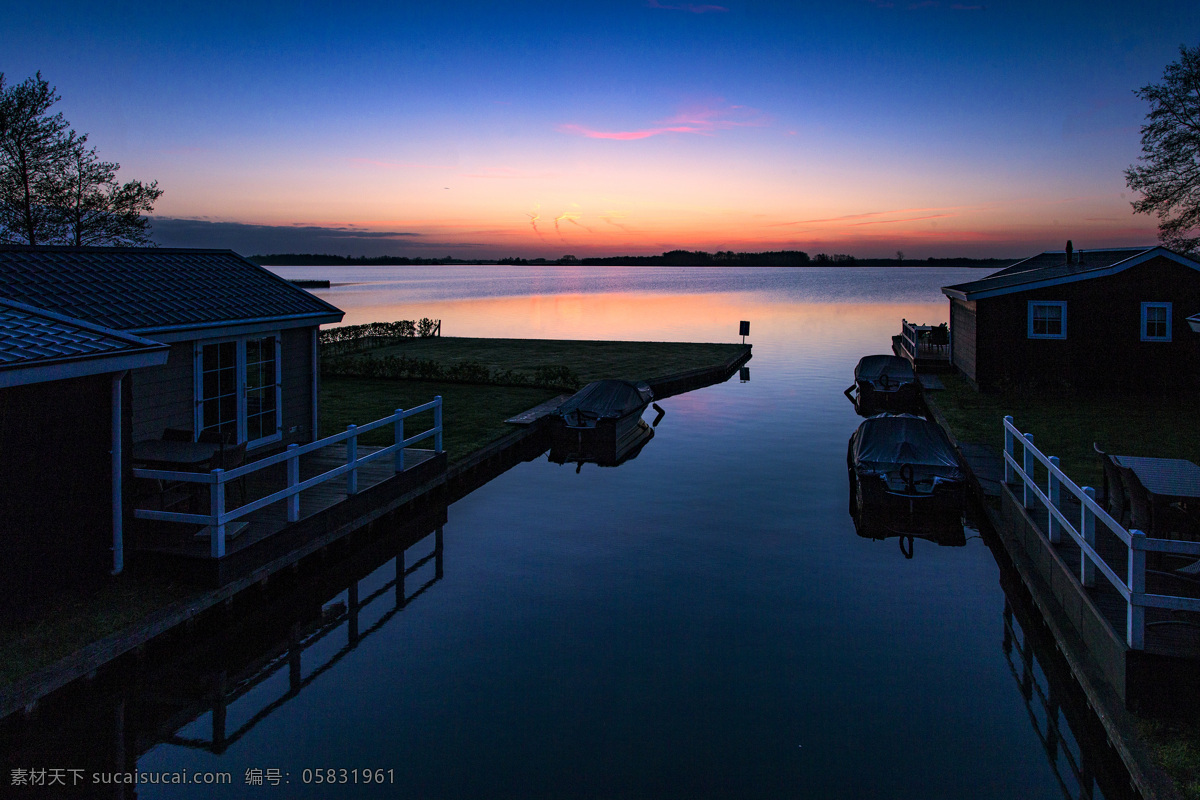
x,y
190,541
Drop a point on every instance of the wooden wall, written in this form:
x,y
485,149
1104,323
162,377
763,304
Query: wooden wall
x,y
55,486
164,397
1103,350
963,333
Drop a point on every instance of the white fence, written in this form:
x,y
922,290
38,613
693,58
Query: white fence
x,y
218,517
919,343
1132,587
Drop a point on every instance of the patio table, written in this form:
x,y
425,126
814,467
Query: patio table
x,y
1168,481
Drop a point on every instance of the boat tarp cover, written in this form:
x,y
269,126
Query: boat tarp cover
x,y
872,368
607,399
888,441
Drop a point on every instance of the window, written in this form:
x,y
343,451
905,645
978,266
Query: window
x,y
1156,322
238,388
1047,319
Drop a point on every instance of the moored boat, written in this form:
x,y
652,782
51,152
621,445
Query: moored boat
x,y
885,383
904,473
602,422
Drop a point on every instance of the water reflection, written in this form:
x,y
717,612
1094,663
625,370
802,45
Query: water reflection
x,y
234,671
1073,740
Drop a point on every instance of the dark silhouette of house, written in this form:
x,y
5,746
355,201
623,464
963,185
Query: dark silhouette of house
x,y
1087,320
103,347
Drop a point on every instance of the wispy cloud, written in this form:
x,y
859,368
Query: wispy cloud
x,y
905,219
851,217
704,120
693,9
533,221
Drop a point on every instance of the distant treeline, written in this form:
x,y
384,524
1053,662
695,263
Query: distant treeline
x,y
671,258
324,260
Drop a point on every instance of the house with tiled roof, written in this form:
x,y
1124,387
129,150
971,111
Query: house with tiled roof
x,y
1086,320
104,347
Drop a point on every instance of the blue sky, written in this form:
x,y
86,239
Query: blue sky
x,y
496,129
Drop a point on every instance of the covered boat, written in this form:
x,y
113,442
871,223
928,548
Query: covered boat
x,y
602,422
904,473
885,383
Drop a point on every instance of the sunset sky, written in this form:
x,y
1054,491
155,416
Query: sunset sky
x,y
629,126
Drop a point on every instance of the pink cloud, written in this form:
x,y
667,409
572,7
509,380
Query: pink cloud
x,y
703,121
687,7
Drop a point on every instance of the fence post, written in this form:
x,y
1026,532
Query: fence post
x,y
1087,527
1011,449
399,440
437,424
352,460
1052,490
293,472
1135,617
216,499
1027,465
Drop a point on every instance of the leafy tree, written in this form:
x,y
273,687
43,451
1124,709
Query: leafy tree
x,y
54,189
1168,176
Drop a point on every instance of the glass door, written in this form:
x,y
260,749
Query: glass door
x,y
238,388
262,388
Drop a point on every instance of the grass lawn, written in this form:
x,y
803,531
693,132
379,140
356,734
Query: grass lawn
x,y
589,360
472,416
1165,426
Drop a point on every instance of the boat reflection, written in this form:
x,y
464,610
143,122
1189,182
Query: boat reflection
x,y
210,687
943,526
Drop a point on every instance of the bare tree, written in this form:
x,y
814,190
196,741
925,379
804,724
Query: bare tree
x,y
32,148
1168,176
54,189
95,209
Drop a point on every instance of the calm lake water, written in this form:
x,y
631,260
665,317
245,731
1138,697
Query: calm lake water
x,y
700,622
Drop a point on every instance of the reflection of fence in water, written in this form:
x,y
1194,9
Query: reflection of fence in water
x,y
1068,758
349,612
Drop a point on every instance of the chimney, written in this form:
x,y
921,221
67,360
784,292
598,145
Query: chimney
x,y
1070,252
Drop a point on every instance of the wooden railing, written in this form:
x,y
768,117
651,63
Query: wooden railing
x,y
918,342
219,517
1131,586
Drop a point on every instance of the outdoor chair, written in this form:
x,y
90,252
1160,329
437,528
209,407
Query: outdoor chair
x,y
1140,509
177,435
1116,501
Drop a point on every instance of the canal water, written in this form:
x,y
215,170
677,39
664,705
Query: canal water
x,y
699,622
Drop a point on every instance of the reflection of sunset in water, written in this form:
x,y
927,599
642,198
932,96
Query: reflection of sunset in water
x,y
648,317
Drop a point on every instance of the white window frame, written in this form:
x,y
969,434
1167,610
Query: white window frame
x,y
1062,304
1144,335
242,414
